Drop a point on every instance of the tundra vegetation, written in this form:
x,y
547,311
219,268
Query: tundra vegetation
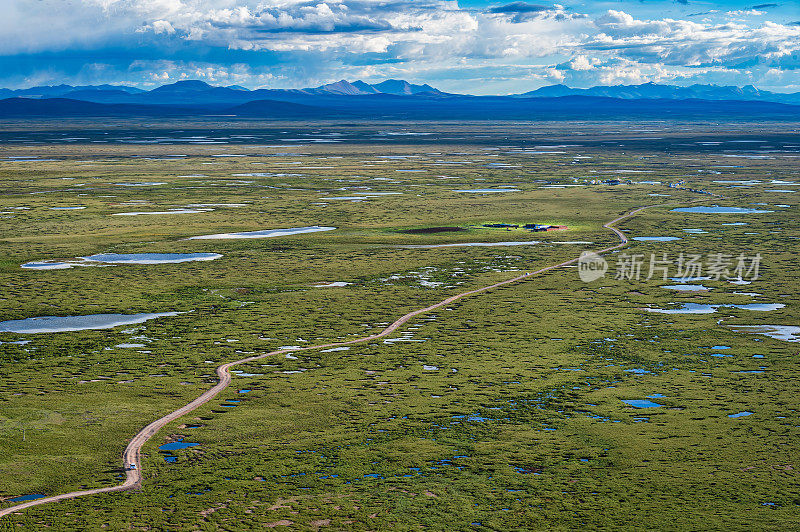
x,y
503,411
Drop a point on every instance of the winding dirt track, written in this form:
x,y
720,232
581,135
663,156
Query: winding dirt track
x,y
132,451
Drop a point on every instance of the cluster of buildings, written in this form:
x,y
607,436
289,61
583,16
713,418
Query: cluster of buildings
x,y
530,227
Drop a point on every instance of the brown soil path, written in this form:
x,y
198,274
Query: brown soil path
x,y
132,451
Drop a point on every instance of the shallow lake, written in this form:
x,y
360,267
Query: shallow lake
x,y
151,258
266,233
697,308
51,324
719,210
787,333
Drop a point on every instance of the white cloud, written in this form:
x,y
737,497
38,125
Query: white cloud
x,y
582,63
298,41
162,26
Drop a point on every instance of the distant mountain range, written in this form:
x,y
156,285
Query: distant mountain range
x,y
198,92
398,99
670,92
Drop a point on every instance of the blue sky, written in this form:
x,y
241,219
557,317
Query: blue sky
x,y
470,46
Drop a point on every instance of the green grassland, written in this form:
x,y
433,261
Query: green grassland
x,y
521,424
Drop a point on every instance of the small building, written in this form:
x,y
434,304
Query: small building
x,y
537,227
502,226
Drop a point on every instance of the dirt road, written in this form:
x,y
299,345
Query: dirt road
x,y
132,451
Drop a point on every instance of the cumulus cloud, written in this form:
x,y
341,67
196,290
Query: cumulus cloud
x,y
298,42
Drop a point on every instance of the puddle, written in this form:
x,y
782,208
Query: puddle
x,y
266,233
697,308
477,418
640,403
47,265
335,284
24,498
180,444
719,210
151,258
686,287
405,336
787,333
51,324
655,238
741,414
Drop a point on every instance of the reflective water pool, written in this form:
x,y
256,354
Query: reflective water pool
x,y
51,324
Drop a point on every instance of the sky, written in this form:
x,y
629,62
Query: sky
x,y
467,46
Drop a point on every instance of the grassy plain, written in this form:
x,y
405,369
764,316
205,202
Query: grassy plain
x,y
502,412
